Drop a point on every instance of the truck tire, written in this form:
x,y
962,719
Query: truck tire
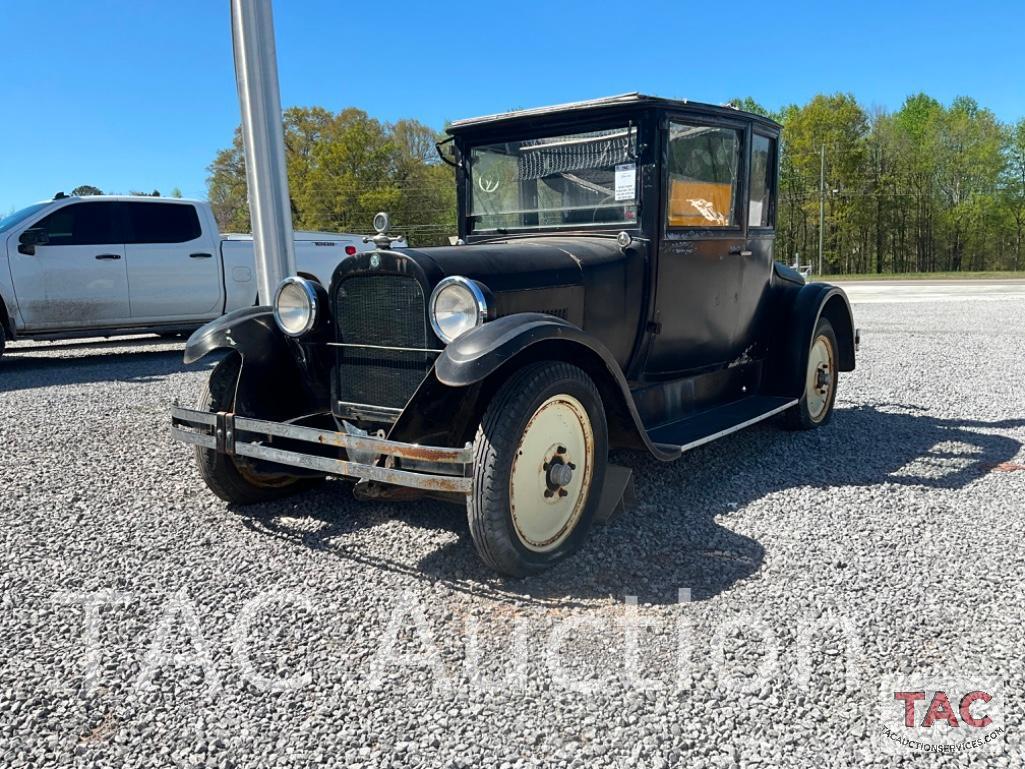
x,y
816,405
539,466
228,477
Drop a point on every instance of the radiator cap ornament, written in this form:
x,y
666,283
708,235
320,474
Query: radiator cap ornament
x,y
382,239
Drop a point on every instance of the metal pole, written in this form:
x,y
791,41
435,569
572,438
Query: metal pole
x,y
822,201
256,73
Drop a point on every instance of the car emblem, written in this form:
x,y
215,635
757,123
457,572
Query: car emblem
x,y
375,261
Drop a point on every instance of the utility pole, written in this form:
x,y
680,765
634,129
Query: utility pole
x,y
256,74
822,200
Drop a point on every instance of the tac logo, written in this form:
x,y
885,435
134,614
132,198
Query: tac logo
x,y
941,711
940,714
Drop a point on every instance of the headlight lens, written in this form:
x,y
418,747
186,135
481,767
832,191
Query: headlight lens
x,y
295,306
457,305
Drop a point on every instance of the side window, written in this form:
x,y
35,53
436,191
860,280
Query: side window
x,y
162,223
80,224
763,166
703,163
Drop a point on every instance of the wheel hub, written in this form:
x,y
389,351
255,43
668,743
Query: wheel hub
x,y
560,474
821,378
550,478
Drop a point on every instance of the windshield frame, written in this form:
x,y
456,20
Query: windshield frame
x,y
638,122
18,217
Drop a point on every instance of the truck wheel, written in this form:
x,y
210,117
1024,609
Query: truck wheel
x,y
229,478
816,405
539,466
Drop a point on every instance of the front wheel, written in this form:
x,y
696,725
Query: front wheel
x,y
539,466
816,405
230,478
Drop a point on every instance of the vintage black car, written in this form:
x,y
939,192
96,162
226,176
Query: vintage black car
x,y
612,286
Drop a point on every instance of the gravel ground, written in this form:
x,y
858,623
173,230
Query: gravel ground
x,y
818,571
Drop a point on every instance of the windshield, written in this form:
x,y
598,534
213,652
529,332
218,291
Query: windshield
x,y
573,180
13,220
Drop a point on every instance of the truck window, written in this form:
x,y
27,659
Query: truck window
x,y
763,163
703,163
80,224
161,223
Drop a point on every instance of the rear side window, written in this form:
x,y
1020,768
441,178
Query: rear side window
x,y
80,224
703,163
763,163
161,222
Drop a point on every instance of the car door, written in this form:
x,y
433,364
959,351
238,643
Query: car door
x,y
701,247
173,270
78,280
756,260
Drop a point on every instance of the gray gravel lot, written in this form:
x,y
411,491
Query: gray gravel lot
x,y
322,630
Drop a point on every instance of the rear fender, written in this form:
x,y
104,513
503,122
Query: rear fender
x,y
272,383
811,302
471,369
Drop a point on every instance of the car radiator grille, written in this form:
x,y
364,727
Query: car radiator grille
x,y
375,311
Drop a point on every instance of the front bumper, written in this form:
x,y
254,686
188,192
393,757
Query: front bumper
x,y
238,436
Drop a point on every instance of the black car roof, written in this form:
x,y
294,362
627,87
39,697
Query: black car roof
x,y
592,105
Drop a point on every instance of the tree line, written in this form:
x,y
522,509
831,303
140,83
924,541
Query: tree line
x,y
926,188
930,187
342,169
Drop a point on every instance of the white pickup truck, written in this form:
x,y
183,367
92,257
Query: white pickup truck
x,y
111,265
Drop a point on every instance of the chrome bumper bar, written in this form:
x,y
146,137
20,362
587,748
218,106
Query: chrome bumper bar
x,y
238,436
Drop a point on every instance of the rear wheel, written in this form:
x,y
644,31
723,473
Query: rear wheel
x,y
231,478
816,405
539,466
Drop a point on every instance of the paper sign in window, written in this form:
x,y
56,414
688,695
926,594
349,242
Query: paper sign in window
x,y
626,181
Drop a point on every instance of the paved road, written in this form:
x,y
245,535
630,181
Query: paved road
x,y
322,631
903,291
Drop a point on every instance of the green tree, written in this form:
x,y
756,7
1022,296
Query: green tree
x,y
86,189
1012,179
343,168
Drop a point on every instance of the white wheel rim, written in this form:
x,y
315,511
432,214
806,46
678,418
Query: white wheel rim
x,y
546,500
821,378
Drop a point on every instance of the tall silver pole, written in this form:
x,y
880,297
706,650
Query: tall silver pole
x,y
822,201
256,72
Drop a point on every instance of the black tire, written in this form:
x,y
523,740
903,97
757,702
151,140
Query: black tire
x,y
489,506
801,417
226,476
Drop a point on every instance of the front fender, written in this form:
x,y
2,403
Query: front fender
x,y
250,331
490,353
273,383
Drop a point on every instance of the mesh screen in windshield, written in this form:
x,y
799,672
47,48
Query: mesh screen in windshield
x,y
584,179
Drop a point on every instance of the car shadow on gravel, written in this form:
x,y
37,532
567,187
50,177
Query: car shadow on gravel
x,y
678,535
25,371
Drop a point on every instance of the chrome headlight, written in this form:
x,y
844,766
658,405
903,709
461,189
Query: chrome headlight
x,y
457,305
295,306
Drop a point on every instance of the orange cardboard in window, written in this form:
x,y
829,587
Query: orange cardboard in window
x,y
699,204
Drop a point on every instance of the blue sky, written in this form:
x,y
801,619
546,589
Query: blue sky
x,y
140,94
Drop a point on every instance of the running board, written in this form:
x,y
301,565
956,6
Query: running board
x,y
706,426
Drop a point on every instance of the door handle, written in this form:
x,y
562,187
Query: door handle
x,y
200,255
108,256
738,251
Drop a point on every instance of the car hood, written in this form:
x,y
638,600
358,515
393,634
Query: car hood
x,y
518,264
